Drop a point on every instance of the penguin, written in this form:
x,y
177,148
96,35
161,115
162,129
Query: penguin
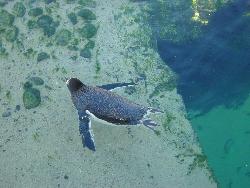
x,y
102,103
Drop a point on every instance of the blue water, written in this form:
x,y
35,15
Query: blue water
x,y
214,80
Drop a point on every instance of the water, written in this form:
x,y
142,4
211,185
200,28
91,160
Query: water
x,y
190,59
42,45
214,81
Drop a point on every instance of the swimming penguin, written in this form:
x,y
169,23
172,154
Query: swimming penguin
x,y
100,102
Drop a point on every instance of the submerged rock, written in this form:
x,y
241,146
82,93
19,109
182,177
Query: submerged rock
x,y
6,19
85,53
31,98
42,56
63,37
6,114
19,9
11,34
73,18
88,31
47,24
32,24
44,21
86,14
35,12
27,85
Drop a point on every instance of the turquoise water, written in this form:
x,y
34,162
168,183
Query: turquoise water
x,y
224,137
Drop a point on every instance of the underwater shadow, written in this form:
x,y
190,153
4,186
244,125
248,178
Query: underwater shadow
x,y
215,68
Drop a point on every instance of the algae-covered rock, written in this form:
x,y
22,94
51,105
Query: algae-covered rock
x,y
88,31
90,44
73,18
49,31
19,9
6,19
44,21
47,24
63,37
29,53
42,56
11,34
27,85
31,98
3,3
86,14
31,24
85,53
35,12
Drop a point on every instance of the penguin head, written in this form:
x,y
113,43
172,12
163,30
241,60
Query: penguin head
x,y
74,84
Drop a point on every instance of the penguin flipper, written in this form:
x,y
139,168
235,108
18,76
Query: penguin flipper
x,y
85,130
116,85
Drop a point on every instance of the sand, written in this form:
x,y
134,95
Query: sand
x,y
41,147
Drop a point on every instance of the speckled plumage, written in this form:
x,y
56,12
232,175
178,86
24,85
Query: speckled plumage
x,y
108,106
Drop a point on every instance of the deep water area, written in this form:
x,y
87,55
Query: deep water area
x,y
213,71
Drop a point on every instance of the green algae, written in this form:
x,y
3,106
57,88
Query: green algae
x,y
35,136
63,37
31,98
6,18
11,34
27,85
19,9
168,118
29,53
73,18
32,24
8,95
47,24
44,21
200,160
42,56
85,53
158,133
88,31
35,12
86,14
97,63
